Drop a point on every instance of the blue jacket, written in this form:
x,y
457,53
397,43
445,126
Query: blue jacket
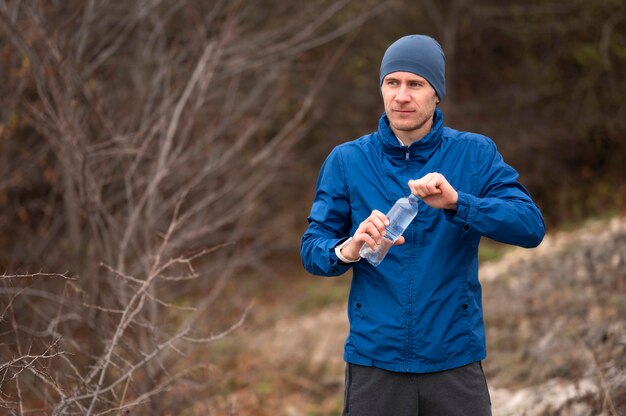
x,y
420,310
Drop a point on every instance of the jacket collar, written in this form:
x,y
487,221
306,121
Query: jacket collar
x,y
424,146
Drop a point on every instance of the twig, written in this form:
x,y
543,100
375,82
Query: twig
x,y
603,385
38,274
222,334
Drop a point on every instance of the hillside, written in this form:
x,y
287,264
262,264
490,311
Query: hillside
x,y
556,325
556,333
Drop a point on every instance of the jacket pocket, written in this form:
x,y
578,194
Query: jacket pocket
x,y
355,303
356,309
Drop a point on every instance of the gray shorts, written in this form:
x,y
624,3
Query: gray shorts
x,y
460,391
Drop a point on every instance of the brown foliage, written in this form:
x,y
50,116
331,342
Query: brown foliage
x,y
140,139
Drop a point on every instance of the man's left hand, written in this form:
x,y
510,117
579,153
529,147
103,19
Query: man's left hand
x,y
434,189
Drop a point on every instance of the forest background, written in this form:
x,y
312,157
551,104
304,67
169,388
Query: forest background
x,y
159,160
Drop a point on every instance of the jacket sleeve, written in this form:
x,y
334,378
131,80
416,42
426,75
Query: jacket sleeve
x,y
329,221
503,209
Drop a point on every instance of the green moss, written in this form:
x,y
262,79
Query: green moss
x,y
490,250
320,292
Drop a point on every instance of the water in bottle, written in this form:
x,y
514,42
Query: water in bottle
x,y
399,216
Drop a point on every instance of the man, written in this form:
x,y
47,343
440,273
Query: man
x,y
417,336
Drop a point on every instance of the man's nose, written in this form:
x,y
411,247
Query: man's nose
x,y
403,95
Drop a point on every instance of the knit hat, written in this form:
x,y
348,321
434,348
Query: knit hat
x,y
419,54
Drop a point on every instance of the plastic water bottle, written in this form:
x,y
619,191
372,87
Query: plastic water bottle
x,y
400,216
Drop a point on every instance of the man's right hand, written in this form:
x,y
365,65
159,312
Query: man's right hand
x,y
371,231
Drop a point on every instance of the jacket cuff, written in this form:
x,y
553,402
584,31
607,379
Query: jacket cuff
x,y
338,248
467,206
336,265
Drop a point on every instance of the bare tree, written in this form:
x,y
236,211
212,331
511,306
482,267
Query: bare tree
x,y
163,122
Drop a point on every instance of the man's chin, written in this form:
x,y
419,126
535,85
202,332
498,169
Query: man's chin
x,y
405,126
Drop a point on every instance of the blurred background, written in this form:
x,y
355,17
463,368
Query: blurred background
x,y
159,160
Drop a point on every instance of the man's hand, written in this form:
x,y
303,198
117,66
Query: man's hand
x,y
370,231
434,190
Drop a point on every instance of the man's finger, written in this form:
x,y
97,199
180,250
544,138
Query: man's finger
x,y
379,215
378,222
368,231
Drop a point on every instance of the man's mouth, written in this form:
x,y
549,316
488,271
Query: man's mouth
x,y
402,111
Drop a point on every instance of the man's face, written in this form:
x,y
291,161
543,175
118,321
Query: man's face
x,y
410,103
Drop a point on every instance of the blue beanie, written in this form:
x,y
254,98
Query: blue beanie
x,y
419,54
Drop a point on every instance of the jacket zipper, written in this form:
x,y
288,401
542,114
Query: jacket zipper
x,y
409,311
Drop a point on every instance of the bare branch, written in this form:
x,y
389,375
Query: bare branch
x,y
38,274
222,334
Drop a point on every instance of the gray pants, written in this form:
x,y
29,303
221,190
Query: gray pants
x,y
460,391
